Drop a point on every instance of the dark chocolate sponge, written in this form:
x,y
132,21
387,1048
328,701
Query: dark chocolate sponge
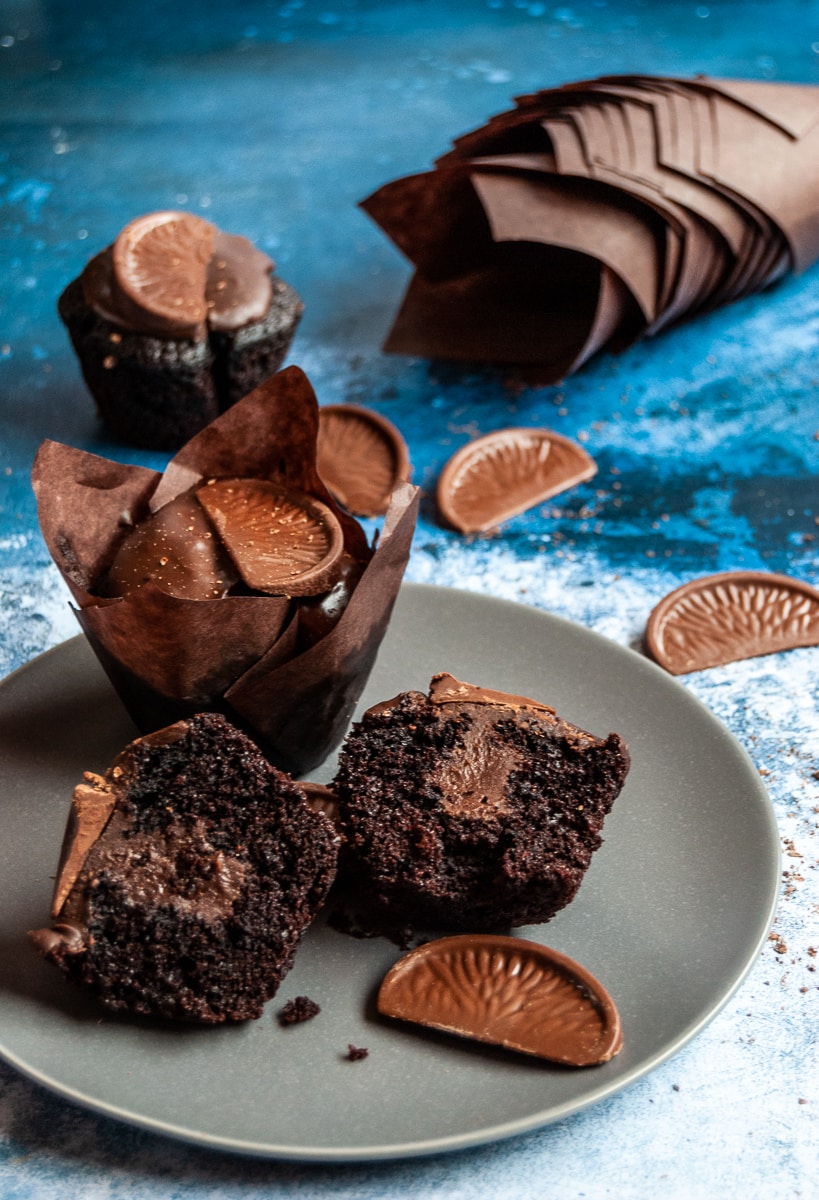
x,y
472,809
157,392
188,875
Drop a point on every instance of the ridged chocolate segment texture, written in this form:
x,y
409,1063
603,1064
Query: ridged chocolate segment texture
x,y
361,457
723,618
505,473
507,992
160,266
281,542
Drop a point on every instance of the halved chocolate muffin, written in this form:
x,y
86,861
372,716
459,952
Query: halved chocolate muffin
x,y
188,875
473,809
173,323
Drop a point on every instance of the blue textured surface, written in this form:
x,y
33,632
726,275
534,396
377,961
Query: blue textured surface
x,y
274,120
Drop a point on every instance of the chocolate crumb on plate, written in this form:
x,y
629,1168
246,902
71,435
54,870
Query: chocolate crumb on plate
x,y
504,473
723,618
298,1010
361,457
355,1053
508,992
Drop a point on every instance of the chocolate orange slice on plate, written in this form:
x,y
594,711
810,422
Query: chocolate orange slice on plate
x,y
501,474
281,542
723,618
508,992
361,457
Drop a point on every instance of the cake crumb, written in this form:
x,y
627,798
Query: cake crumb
x,y
300,1008
355,1053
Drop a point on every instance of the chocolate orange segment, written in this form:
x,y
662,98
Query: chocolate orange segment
x,y
160,266
281,542
723,618
91,805
508,992
497,476
361,457
175,549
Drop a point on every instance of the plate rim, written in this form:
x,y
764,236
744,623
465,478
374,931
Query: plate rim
x,y
486,1135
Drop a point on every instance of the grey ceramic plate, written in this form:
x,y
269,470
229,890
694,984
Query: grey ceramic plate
x,y
671,915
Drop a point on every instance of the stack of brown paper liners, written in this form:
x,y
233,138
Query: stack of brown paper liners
x,y
169,657
600,212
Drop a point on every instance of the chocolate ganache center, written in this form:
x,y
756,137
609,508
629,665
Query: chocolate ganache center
x,y
472,777
144,868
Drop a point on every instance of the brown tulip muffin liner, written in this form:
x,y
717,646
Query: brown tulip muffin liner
x,y
240,654
600,212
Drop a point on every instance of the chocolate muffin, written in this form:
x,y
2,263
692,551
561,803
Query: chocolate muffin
x,y
473,809
173,323
188,875
232,582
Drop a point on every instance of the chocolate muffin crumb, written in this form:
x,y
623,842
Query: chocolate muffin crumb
x,y
297,1010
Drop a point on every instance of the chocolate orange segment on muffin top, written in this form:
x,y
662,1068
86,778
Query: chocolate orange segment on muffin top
x,y
239,287
160,268
176,549
508,992
281,542
174,275
471,808
175,322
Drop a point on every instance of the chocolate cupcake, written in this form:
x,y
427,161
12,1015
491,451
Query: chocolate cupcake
x,y
173,323
472,809
232,582
189,874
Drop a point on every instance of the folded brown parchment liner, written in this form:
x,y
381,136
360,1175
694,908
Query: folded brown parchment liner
x,y
596,213
169,657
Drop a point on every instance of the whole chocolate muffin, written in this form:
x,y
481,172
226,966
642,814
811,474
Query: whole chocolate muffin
x,y
473,809
188,875
173,323
232,582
